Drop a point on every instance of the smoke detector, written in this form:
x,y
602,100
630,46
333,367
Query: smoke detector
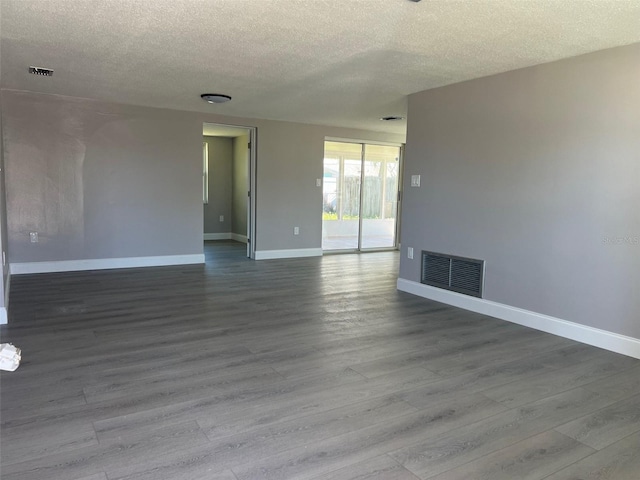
x,y
215,97
45,72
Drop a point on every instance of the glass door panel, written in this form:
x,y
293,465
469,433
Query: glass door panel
x,y
341,196
360,196
380,196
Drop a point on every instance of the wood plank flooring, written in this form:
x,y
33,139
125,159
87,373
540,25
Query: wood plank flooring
x,y
314,368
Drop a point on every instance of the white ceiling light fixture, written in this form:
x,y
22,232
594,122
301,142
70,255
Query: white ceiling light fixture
x,y
215,97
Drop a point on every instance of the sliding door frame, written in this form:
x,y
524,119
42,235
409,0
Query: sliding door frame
x,y
363,144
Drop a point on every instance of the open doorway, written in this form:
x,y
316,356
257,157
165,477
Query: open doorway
x,y
228,181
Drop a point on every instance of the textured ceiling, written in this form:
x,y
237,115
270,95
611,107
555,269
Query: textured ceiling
x,y
334,62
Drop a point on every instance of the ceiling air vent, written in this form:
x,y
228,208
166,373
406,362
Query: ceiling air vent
x,y
462,275
45,72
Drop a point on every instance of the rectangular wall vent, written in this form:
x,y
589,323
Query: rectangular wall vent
x,y
45,72
459,274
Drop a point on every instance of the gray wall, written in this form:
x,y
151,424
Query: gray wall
x,y
289,162
220,185
240,184
536,171
103,180
3,218
99,180
3,214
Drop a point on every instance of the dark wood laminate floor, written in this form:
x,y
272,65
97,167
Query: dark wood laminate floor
x,y
310,368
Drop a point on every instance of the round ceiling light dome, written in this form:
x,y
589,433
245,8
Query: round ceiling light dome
x,y
215,97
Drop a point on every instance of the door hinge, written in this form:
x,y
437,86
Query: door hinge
x,y
249,145
249,193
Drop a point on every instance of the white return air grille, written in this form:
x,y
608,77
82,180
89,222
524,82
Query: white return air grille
x,y
462,275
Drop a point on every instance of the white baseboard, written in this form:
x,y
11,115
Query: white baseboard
x,y
290,253
217,236
581,333
239,238
7,286
104,264
4,311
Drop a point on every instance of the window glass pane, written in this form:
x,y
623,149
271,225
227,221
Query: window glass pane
x,y
341,195
380,196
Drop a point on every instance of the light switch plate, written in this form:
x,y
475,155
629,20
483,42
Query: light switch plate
x,y
318,182
415,180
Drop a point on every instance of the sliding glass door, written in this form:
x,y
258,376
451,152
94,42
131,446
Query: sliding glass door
x,y
360,196
380,196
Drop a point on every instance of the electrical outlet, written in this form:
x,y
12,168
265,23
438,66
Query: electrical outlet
x,y
222,218
33,236
410,252
318,182
296,230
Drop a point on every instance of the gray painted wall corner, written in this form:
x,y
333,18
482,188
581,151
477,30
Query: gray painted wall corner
x,y
535,171
102,180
